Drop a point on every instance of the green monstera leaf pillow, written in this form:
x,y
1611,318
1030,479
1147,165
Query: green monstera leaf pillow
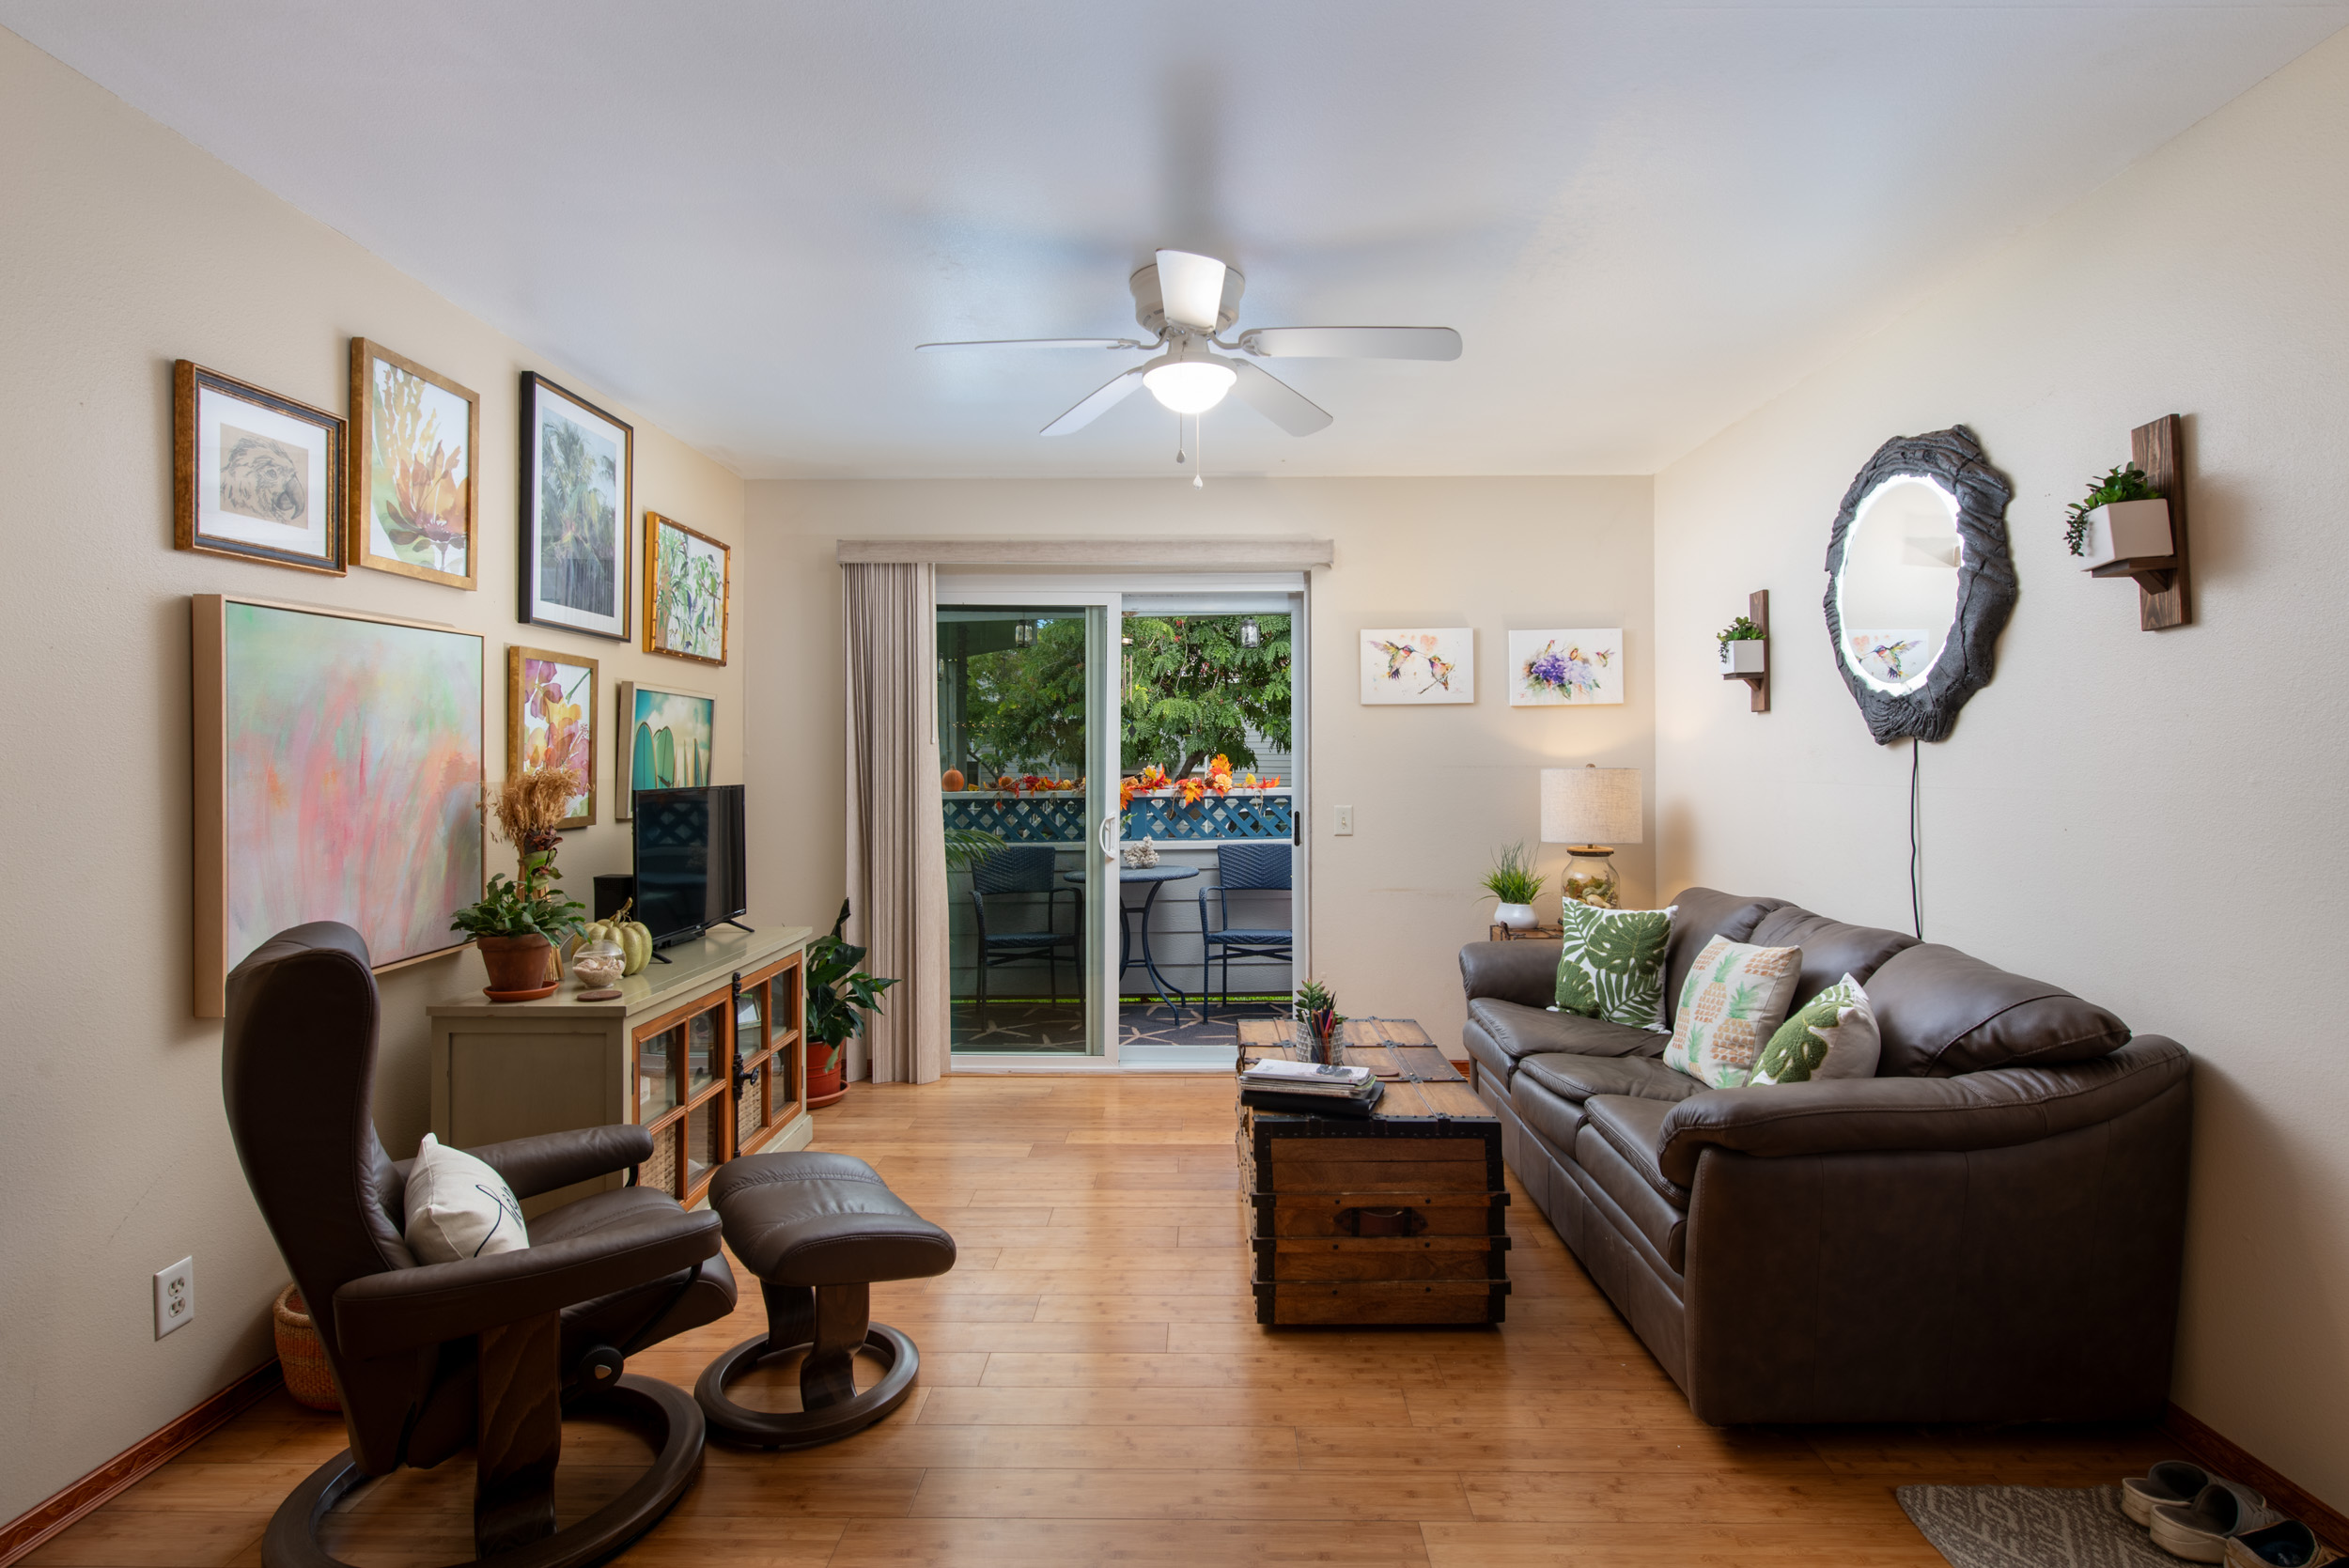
x,y
1612,965
1834,1034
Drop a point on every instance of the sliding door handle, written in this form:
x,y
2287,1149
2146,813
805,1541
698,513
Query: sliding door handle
x,y
1109,836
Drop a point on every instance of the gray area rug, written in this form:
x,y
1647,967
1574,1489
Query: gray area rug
x,y
2030,1527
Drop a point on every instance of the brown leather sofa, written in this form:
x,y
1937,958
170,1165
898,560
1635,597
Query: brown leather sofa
x,y
1989,1229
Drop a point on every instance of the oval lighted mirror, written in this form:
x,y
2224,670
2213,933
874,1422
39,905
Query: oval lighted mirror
x,y
1920,582
1897,593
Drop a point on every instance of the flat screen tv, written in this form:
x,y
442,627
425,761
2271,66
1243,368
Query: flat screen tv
x,y
689,861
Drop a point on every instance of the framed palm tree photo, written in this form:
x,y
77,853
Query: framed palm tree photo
x,y
689,587
578,495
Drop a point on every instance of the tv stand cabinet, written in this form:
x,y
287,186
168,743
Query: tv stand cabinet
x,y
706,1050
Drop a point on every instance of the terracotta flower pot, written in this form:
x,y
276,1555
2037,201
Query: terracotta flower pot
x,y
824,1087
516,963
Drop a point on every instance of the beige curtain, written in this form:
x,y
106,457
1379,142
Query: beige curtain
x,y
896,832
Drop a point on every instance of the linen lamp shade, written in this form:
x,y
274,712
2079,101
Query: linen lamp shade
x,y
1591,805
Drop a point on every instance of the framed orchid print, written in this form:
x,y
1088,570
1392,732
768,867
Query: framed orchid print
x,y
551,720
414,492
253,475
578,493
689,586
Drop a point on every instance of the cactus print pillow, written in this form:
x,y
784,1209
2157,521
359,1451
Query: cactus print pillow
x,y
1735,1000
1832,1036
1612,963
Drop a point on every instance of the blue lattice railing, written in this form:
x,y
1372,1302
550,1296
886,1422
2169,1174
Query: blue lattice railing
x,y
1061,819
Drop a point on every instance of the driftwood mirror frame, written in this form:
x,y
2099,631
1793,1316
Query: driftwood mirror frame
x,y
1985,583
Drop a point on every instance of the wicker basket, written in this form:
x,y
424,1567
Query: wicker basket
x,y
308,1379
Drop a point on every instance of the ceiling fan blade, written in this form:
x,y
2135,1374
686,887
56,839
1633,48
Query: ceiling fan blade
x,y
1352,342
1040,343
1104,399
1276,399
1191,288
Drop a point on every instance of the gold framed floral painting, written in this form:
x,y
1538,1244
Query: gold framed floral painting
x,y
551,720
688,584
414,491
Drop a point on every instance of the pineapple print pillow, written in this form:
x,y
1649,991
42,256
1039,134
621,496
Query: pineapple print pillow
x,y
1735,1000
1832,1036
1612,963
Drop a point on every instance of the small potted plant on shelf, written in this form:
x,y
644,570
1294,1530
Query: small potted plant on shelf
x,y
1318,1013
1514,882
838,997
2121,519
518,924
1744,648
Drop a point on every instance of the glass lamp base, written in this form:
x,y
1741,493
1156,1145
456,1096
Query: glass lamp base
x,y
1590,877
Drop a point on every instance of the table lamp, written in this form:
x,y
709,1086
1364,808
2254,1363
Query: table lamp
x,y
1590,810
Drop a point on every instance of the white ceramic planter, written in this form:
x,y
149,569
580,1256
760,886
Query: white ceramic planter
x,y
1515,917
1746,658
2126,531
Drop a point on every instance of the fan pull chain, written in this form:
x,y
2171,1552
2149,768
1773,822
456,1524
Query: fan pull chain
x,y
1199,473
1179,440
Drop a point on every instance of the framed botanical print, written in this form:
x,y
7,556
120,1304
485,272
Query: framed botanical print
x,y
578,493
665,741
414,491
254,475
551,720
688,589
1575,667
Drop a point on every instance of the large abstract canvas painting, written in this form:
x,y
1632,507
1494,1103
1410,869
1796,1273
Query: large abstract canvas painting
x,y
664,740
338,777
578,497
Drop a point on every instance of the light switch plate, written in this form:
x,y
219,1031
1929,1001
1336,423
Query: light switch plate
x,y
1342,819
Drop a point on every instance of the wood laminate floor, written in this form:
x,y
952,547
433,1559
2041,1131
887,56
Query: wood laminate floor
x,y
1095,1389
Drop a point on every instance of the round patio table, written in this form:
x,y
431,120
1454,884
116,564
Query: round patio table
x,y
1155,878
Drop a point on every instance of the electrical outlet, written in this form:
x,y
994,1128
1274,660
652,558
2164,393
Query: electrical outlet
x,y
1343,824
175,1296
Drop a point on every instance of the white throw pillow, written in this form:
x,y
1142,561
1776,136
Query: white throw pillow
x,y
1834,1034
459,1207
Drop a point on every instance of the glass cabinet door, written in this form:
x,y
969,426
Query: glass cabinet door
x,y
767,1036
681,1097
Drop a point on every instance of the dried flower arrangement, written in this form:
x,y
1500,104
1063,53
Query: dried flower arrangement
x,y
528,808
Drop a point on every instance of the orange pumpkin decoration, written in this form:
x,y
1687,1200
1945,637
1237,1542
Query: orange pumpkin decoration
x,y
953,781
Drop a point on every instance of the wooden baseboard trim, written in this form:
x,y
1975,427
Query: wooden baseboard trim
x,y
38,1524
2216,1453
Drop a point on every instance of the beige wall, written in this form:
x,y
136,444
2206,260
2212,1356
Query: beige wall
x,y
1434,789
123,248
2153,820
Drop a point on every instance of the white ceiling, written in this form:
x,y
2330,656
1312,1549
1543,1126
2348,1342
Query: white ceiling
x,y
738,217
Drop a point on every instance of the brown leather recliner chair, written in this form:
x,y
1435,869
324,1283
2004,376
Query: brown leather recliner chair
x,y
429,1358
1991,1229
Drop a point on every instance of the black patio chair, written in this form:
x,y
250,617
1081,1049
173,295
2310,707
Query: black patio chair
x,y
1023,869
1244,868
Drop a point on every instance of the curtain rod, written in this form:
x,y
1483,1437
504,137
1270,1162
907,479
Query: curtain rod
x,y
1180,553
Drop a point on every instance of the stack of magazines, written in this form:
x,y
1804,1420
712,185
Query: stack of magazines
x,y
1312,1089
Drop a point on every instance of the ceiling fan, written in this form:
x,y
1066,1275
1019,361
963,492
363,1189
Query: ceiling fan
x,y
1186,299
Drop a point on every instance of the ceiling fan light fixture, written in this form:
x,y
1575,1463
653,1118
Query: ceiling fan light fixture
x,y
1190,385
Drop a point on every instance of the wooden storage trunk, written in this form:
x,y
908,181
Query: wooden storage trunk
x,y
1398,1219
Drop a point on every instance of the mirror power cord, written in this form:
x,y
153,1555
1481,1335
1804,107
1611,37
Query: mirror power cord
x,y
1916,898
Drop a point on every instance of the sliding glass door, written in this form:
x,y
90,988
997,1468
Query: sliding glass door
x,y
1018,735
1124,766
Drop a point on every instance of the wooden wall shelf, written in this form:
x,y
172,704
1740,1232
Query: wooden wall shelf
x,y
1758,612
2160,450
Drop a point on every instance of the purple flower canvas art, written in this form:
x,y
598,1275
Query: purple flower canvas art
x,y
1578,666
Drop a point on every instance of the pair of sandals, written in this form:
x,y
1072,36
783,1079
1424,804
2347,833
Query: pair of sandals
x,y
2195,1515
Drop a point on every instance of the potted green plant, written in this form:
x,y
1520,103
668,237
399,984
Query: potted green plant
x,y
1745,648
516,924
2123,518
1317,1010
1516,884
838,997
